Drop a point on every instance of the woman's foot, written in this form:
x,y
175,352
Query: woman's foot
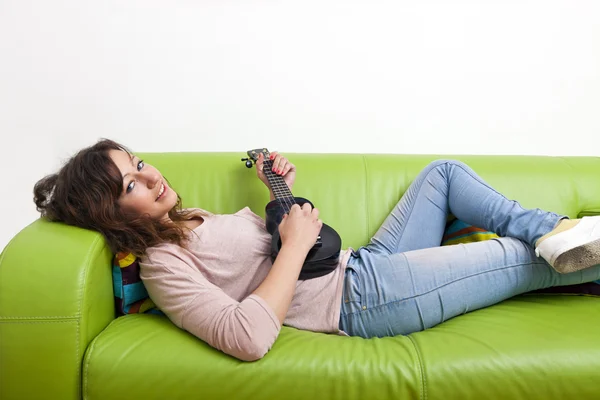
x,y
573,245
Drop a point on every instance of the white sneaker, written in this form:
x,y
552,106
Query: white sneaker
x,y
575,249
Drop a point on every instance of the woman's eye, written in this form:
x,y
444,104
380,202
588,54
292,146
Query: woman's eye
x,y
130,186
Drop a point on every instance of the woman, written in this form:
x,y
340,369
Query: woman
x,y
212,274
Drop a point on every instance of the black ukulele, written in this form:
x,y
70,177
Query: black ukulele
x,y
323,257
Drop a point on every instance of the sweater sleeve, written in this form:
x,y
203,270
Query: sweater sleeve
x,y
246,329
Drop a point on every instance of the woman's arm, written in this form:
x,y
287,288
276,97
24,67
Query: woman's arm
x,y
298,231
243,329
278,287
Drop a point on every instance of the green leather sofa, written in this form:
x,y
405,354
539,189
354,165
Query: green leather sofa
x,y
59,338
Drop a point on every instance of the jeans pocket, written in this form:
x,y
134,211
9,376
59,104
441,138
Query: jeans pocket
x,y
352,290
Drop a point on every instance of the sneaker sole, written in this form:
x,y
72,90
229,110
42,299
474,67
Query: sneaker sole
x,y
578,258
581,243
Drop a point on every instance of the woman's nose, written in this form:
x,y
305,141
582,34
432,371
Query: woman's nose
x,y
152,178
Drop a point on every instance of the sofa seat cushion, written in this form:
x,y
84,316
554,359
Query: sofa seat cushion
x,y
528,347
144,356
510,350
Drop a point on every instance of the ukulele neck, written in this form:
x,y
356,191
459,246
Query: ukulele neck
x,y
280,189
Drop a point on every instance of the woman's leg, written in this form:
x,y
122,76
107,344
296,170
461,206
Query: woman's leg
x,y
419,219
391,294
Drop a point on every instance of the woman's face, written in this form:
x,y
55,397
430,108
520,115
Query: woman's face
x,y
144,189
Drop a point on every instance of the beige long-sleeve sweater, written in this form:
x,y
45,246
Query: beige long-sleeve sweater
x,y
207,288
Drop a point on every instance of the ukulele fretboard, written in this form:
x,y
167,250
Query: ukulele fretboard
x,y
280,189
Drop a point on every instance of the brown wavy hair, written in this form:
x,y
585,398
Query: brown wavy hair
x,y
84,193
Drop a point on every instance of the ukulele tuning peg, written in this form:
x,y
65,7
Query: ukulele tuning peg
x,y
248,162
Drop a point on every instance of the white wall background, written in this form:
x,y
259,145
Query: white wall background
x,y
445,77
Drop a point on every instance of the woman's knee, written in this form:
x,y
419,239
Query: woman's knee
x,y
445,162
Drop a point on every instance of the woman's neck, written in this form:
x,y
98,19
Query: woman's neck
x,y
193,222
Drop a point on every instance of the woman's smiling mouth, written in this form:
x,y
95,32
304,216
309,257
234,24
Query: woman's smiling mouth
x,y
161,191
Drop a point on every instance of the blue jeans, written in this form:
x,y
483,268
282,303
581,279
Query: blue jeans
x,y
403,281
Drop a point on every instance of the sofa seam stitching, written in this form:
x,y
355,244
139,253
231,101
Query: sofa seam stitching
x,y
87,367
55,317
79,306
423,395
573,183
367,197
37,322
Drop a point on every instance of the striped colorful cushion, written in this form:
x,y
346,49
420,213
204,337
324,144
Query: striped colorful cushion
x,y
461,232
130,293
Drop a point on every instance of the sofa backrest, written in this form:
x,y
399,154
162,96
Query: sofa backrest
x,y
355,192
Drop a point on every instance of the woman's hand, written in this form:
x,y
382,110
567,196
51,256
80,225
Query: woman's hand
x,y
298,231
301,227
281,166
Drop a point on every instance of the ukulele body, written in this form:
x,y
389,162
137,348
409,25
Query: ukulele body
x,y
322,258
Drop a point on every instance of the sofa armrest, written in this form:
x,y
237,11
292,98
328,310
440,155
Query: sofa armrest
x,y
55,297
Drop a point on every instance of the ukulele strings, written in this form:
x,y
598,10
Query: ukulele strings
x,y
279,188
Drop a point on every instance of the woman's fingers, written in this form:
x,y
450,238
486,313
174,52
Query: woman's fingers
x,y
287,168
276,163
315,213
310,212
279,163
273,157
301,226
306,209
260,162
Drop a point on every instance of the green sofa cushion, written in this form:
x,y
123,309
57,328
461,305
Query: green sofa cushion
x,y
149,356
511,350
529,347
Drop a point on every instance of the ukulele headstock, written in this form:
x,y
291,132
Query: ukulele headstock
x,y
253,156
